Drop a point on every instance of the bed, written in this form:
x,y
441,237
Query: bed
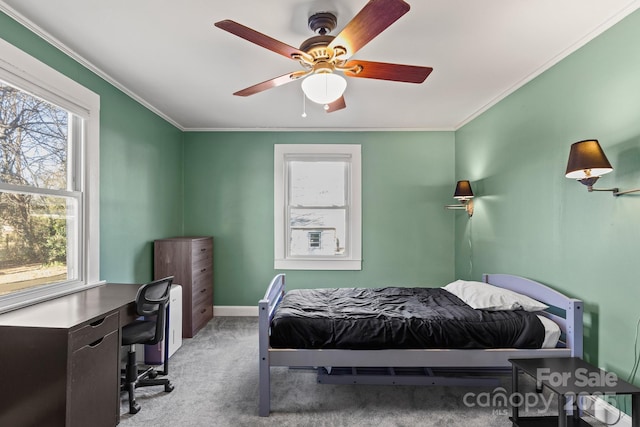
x,y
563,311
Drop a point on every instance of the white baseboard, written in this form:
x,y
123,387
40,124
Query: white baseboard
x,y
605,412
235,310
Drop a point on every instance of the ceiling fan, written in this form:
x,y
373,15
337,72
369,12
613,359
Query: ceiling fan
x,y
322,55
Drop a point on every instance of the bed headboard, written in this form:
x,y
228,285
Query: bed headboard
x,y
569,318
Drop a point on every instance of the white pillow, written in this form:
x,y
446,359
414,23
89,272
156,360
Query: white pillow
x,y
484,296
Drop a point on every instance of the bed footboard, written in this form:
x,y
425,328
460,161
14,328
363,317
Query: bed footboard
x,y
266,309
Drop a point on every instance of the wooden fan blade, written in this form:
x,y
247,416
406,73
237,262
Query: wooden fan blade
x,y
336,105
268,84
258,38
385,71
373,19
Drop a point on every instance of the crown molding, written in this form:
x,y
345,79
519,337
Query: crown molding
x,y
31,26
613,20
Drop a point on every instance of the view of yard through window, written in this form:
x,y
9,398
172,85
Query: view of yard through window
x,y
37,207
317,208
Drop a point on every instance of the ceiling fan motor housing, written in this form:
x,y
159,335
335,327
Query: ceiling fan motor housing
x,y
316,46
322,22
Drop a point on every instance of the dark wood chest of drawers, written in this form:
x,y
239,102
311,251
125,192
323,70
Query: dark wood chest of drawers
x,y
190,261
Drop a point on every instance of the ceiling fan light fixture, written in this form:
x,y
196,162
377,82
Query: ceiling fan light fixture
x,y
324,88
322,55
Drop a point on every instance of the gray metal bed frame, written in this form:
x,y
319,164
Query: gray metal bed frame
x,y
570,344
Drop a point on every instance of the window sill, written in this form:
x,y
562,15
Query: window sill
x,y
37,295
308,264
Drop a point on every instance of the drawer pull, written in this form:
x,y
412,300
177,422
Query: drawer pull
x,y
96,342
203,290
203,270
98,322
203,311
203,249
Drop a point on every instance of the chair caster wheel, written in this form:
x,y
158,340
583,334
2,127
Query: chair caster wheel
x,y
134,409
168,388
153,374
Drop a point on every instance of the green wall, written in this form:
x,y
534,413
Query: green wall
x,y
140,167
157,181
227,192
532,221
407,178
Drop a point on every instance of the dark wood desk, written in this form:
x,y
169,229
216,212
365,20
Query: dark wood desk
x,y
60,359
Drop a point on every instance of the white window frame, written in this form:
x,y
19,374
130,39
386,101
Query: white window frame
x,y
353,259
29,74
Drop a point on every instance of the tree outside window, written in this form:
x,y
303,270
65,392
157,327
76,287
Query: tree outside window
x,y
37,201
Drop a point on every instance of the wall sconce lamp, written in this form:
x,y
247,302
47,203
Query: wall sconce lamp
x,y
587,163
464,194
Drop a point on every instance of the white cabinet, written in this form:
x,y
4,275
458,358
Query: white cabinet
x,y
175,320
154,354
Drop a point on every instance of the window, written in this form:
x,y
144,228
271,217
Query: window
x,y
314,239
317,207
49,160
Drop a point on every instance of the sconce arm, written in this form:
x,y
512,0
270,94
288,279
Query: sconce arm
x,y
620,193
616,191
467,206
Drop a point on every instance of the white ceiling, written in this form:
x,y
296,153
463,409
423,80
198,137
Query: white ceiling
x,y
169,56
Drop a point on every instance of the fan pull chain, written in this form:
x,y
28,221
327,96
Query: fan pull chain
x,y
304,106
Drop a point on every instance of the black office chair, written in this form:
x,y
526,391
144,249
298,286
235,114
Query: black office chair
x,y
151,302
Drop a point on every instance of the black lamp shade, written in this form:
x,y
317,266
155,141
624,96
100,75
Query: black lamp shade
x,y
463,190
586,160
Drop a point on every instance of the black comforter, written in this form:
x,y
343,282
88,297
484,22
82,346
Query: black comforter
x,y
360,318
